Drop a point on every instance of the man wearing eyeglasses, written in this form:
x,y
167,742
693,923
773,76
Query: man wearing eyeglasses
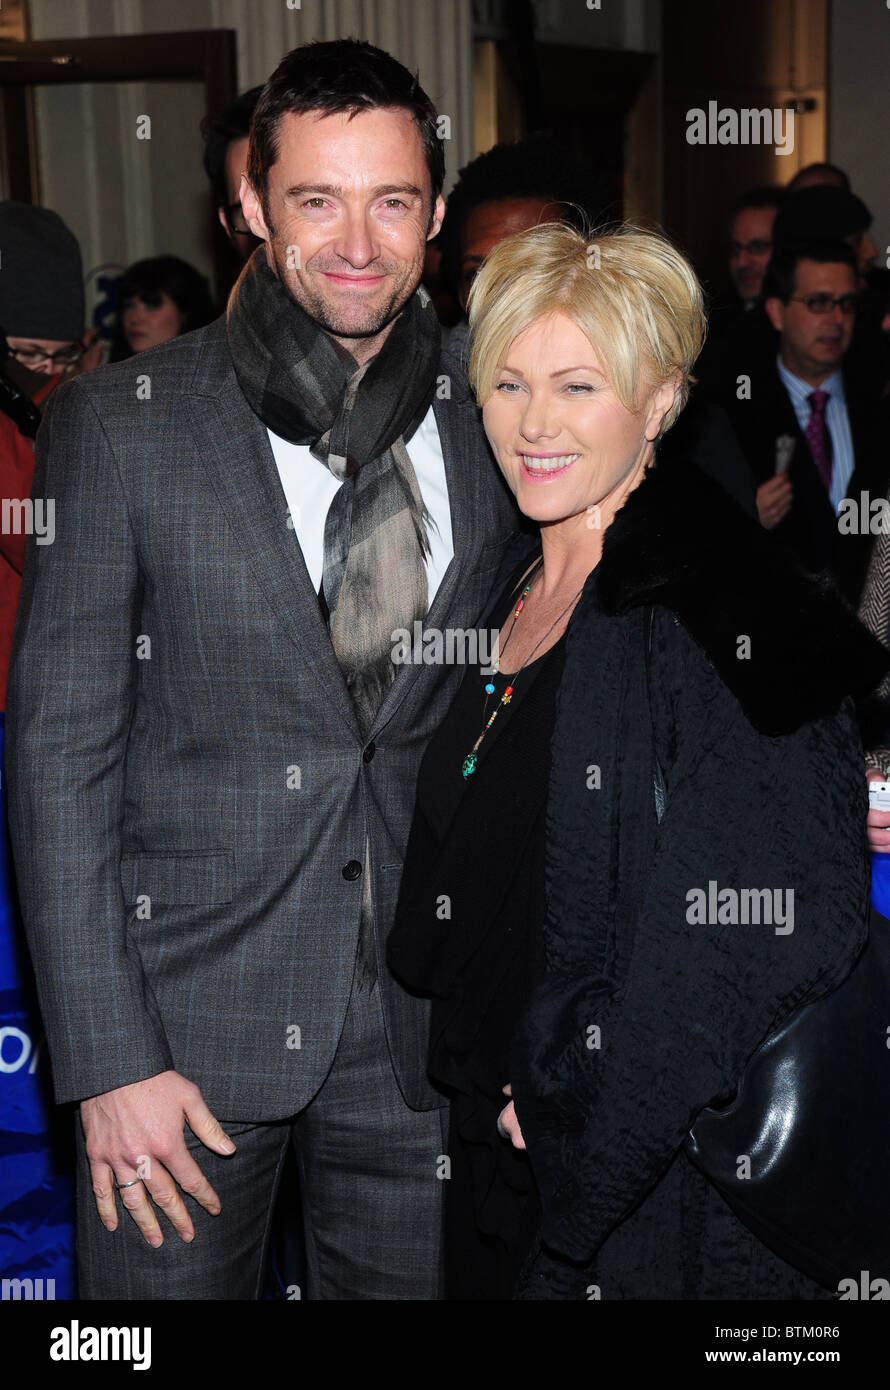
x,y
225,137
737,320
34,367
814,432
41,344
751,242
836,214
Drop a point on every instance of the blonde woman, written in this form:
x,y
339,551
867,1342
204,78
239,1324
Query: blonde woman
x,y
589,999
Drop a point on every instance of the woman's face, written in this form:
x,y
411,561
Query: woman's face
x,y
563,439
145,325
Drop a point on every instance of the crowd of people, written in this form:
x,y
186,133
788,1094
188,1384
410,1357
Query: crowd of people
x,y
425,926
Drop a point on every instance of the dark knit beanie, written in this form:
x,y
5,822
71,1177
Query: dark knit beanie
x,y
41,279
821,213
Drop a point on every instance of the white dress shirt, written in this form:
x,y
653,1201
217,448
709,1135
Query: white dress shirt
x,y
309,489
837,421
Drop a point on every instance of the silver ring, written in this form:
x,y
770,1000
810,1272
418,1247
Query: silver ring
x,y
132,1183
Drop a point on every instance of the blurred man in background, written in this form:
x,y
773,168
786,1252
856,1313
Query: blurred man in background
x,y
225,137
510,187
738,315
811,175
814,433
751,242
42,344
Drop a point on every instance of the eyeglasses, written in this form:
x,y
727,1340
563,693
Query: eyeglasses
x,y
233,211
754,248
824,303
35,356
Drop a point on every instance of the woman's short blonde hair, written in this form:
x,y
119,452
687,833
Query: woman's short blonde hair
x,y
629,290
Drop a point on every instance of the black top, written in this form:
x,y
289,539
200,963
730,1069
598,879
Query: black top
x,y
467,932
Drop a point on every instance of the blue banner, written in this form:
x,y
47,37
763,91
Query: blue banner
x,y
36,1141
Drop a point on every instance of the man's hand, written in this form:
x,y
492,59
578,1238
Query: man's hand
x,y
137,1132
508,1125
878,822
774,499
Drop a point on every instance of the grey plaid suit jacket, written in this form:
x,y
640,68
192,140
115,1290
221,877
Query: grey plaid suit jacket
x,y
180,743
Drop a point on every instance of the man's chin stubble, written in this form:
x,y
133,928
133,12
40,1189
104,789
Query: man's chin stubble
x,y
324,314
349,326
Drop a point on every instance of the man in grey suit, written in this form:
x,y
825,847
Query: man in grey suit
x,y
211,753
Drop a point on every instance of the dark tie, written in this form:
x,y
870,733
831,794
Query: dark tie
x,y
818,437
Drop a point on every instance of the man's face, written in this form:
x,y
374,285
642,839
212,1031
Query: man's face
x,y
488,224
814,345
750,247
231,217
36,355
147,324
347,219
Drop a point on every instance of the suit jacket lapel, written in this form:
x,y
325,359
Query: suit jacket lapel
x,y
236,452
464,453
810,490
868,470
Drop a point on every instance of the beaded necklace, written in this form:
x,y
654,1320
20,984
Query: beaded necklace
x,y
470,762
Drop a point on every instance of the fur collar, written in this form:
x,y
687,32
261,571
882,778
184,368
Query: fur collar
x,y
680,542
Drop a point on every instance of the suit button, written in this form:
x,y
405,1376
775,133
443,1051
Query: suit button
x,y
369,752
352,870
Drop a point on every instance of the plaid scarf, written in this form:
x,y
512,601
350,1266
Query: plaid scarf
x,y
356,420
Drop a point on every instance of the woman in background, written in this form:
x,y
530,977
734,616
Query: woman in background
x,y
585,1005
159,299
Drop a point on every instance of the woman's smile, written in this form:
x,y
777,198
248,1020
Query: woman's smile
x,y
543,468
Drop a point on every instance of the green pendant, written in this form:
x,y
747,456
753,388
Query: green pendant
x,y
468,767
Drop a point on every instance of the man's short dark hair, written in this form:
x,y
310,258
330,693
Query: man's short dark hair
x,y
778,282
536,167
820,213
148,280
344,75
766,196
218,132
842,179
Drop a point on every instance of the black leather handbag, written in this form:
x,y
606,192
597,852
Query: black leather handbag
x,y
812,1113
812,1117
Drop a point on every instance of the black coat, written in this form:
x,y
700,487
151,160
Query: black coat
x,y
703,434
641,1017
